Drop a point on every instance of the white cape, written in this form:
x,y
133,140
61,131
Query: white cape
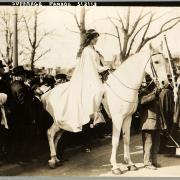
x,y
71,104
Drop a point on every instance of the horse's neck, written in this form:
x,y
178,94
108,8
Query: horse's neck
x,y
132,71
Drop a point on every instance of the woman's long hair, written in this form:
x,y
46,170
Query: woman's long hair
x,y
89,35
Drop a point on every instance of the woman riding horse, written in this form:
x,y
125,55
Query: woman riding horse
x,y
72,104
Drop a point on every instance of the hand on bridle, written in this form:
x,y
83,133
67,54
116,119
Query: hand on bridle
x,y
157,91
157,83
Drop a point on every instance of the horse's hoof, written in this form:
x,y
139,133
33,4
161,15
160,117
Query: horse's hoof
x,y
57,160
117,171
132,168
52,164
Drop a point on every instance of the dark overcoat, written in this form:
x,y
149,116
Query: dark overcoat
x,y
151,118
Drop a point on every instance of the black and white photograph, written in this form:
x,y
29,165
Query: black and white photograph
x,y
89,89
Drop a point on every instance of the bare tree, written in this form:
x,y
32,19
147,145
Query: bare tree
x,y
137,31
34,38
6,29
6,50
81,22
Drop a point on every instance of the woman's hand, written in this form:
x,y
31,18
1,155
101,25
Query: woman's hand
x,y
104,75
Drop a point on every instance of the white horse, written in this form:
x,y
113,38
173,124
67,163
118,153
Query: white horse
x,y
121,94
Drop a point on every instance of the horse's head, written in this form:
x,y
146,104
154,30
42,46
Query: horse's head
x,y
157,66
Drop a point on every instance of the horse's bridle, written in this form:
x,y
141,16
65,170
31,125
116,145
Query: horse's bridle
x,y
154,73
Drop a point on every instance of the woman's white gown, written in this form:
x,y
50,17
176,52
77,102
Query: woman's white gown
x,y
72,103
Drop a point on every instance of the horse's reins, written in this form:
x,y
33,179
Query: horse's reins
x,y
118,95
153,72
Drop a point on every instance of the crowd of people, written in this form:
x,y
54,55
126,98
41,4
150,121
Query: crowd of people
x,y
24,120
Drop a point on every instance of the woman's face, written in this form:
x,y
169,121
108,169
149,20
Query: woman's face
x,y
94,41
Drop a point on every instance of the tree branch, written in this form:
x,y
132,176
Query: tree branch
x,y
178,18
71,30
28,31
120,20
128,19
145,32
140,17
42,37
74,16
44,53
160,32
109,34
138,31
111,21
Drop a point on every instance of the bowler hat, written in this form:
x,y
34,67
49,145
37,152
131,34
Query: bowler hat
x,y
19,70
1,64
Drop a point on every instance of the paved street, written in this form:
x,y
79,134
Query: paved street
x,y
95,163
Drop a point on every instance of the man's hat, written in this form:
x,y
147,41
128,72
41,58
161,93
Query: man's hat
x,y
19,70
1,64
148,78
61,76
48,79
29,74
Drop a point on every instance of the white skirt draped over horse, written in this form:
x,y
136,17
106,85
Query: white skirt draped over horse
x,y
71,104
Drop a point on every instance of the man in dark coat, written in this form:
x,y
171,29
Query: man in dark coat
x,y
152,123
4,132
167,103
31,121
175,128
23,126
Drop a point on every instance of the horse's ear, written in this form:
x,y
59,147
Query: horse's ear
x,y
156,47
151,47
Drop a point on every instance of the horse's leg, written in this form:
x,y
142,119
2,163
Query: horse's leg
x,y
105,105
51,132
126,139
117,124
56,140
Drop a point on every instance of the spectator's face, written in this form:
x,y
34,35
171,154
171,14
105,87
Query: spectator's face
x,y
18,78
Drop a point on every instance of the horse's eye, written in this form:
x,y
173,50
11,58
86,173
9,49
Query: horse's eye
x,y
156,62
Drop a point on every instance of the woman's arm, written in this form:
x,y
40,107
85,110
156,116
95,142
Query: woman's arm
x,y
101,65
